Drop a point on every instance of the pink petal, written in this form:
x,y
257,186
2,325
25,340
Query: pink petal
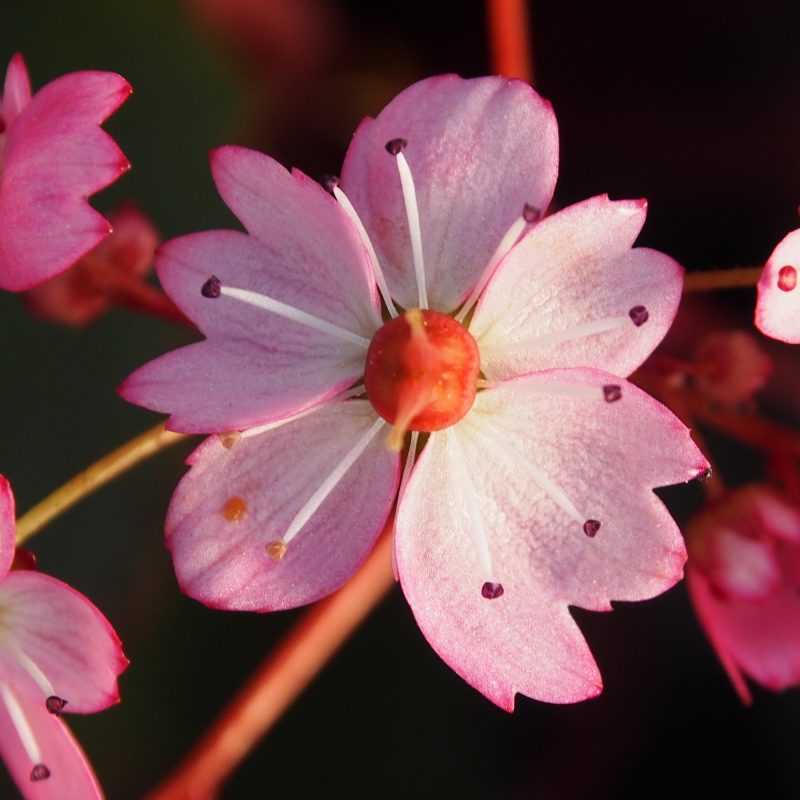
x,y
311,238
56,155
778,305
71,775
234,502
255,366
8,527
478,150
760,639
70,642
575,268
16,91
605,457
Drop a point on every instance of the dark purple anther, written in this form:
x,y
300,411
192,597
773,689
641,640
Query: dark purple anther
x,y
612,392
787,278
531,213
39,773
705,475
590,527
55,705
639,315
394,146
491,591
329,182
212,288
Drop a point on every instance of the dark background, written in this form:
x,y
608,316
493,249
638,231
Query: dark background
x,y
695,106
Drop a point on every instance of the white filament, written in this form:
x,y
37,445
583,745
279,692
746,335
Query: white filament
x,y
330,483
290,312
268,426
510,238
383,287
21,724
581,331
30,666
476,525
412,213
412,452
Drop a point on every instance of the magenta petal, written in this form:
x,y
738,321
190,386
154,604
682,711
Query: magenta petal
x,y
8,527
309,240
478,151
56,155
778,305
64,636
70,774
761,639
234,502
16,90
574,269
553,429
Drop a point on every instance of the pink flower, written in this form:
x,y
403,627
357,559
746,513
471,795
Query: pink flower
x,y
57,652
778,305
743,577
53,155
533,491
82,294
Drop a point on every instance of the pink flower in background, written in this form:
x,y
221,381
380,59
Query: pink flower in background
x,y
743,577
53,155
534,489
57,652
82,294
778,305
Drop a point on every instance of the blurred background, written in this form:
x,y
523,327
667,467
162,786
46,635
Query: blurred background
x,y
695,106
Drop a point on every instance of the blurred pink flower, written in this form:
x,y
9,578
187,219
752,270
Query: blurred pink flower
x,y
534,488
778,305
730,367
81,294
53,155
743,577
57,652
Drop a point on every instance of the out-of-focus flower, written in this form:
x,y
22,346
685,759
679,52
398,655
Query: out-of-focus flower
x,y
778,305
57,653
534,488
99,279
730,367
744,580
53,155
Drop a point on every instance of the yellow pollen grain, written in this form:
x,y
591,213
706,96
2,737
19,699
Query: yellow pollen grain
x,y
234,509
276,550
228,440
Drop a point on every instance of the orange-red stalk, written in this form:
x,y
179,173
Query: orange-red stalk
x,y
509,39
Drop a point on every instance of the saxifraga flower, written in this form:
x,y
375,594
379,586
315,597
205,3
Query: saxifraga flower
x,y
505,338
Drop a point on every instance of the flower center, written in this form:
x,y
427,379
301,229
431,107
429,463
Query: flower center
x,y
421,372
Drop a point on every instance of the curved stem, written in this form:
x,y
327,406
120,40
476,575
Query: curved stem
x,y
509,39
95,476
280,680
708,280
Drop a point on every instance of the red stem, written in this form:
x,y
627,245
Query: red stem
x,y
509,39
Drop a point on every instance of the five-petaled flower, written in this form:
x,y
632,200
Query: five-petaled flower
x,y
499,348
743,577
778,305
53,155
57,652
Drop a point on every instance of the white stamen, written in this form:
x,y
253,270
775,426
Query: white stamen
x,y
31,667
568,390
410,458
412,213
546,484
510,238
269,426
476,527
580,331
330,483
20,722
290,312
383,287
